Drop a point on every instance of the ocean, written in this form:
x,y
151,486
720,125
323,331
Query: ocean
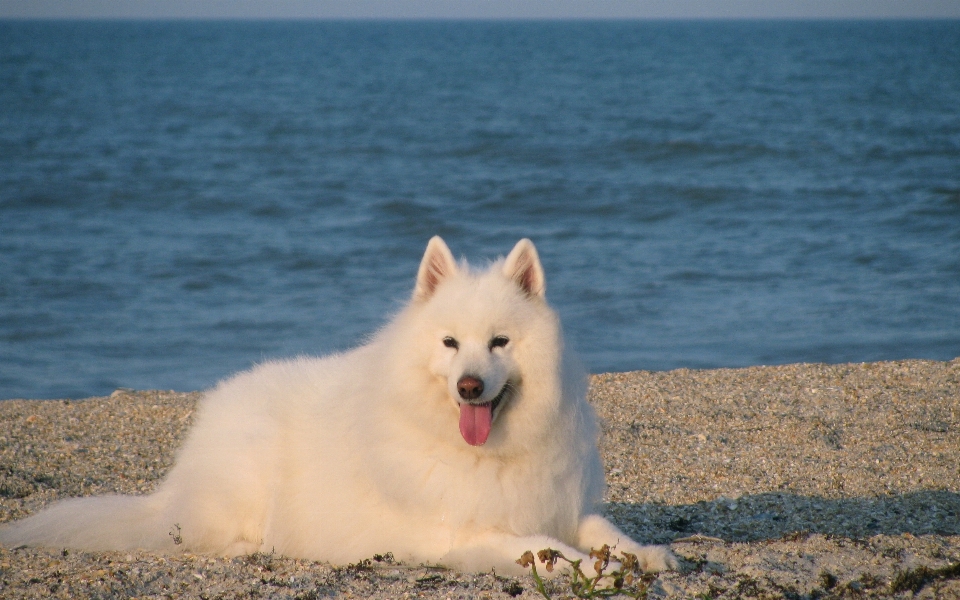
x,y
182,200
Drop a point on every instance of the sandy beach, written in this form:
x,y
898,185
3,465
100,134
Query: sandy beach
x,y
796,481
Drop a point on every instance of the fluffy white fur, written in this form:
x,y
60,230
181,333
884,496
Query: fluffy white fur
x,y
342,457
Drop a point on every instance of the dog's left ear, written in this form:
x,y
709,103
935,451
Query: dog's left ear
x,y
523,267
437,265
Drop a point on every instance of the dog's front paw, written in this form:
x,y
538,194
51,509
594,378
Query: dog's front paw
x,y
656,558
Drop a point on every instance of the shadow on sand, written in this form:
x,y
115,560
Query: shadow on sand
x,y
774,515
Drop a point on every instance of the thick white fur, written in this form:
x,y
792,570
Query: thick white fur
x,y
342,457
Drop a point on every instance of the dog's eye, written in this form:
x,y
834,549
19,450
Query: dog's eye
x,y
449,342
499,342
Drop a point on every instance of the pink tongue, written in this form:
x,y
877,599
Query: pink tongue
x,y
475,422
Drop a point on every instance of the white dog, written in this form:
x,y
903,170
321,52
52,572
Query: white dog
x,y
460,435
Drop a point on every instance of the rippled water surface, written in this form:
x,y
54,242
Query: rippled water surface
x,y
181,200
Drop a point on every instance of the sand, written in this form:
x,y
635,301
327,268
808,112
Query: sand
x,y
796,481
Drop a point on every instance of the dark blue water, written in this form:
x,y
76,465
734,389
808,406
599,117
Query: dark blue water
x,y
181,200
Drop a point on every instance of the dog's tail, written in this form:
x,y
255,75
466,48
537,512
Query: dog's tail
x,y
97,523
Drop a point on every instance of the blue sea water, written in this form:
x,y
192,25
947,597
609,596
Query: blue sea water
x,y
179,201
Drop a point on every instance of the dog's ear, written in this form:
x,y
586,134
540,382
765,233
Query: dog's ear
x,y
437,265
523,267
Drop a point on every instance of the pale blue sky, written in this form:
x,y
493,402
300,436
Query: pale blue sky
x,y
480,9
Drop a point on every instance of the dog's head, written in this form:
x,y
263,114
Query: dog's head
x,y
493,340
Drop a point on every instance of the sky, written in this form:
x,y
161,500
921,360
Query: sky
x,y
480,9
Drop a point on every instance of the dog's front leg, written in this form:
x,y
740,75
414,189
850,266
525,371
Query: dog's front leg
x,y
595,531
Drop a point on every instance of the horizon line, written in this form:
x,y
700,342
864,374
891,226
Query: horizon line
x,y
481,10
506,19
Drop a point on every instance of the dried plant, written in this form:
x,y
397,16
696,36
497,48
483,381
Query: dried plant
x,y
625,578
175,534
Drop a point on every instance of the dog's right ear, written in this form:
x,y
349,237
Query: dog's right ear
x,y
437,265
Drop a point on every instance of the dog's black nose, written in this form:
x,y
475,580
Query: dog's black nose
x,y
470,387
